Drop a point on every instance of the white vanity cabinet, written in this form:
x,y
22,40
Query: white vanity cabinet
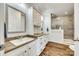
x,y
33,48
41,43
26,50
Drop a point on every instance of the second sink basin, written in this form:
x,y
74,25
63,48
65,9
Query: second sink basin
x,y
21,41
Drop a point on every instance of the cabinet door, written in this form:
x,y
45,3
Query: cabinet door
x,y
17,52
32,48
39,45
32,51
45,40
24,53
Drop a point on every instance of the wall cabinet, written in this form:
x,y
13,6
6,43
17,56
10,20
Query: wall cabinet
x,y
31,49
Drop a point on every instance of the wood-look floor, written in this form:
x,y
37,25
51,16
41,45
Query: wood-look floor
x,y
56,49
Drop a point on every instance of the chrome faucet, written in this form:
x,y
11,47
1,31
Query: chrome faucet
x,y
21,37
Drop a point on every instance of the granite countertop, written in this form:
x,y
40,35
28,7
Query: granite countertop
x,y
9,46
39,34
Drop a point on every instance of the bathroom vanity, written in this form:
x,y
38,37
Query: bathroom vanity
x,y
17,41
32,47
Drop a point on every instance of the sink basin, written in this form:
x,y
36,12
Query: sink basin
x,y
20,41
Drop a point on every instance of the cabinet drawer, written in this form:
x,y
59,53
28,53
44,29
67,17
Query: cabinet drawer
x,y
32,48
32,51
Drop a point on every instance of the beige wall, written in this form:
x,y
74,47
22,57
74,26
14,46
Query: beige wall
x,y
68,27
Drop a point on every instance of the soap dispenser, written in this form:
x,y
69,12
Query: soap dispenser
x,y
47,30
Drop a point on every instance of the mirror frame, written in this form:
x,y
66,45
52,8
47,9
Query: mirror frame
x,y
7,19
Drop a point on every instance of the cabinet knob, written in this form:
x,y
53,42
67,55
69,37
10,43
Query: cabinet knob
x,y
25,51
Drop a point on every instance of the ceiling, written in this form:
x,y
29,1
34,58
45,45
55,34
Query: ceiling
x,y
58,9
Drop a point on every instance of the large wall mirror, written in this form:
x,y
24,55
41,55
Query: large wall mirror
x,y
56,22
16,20
37,21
